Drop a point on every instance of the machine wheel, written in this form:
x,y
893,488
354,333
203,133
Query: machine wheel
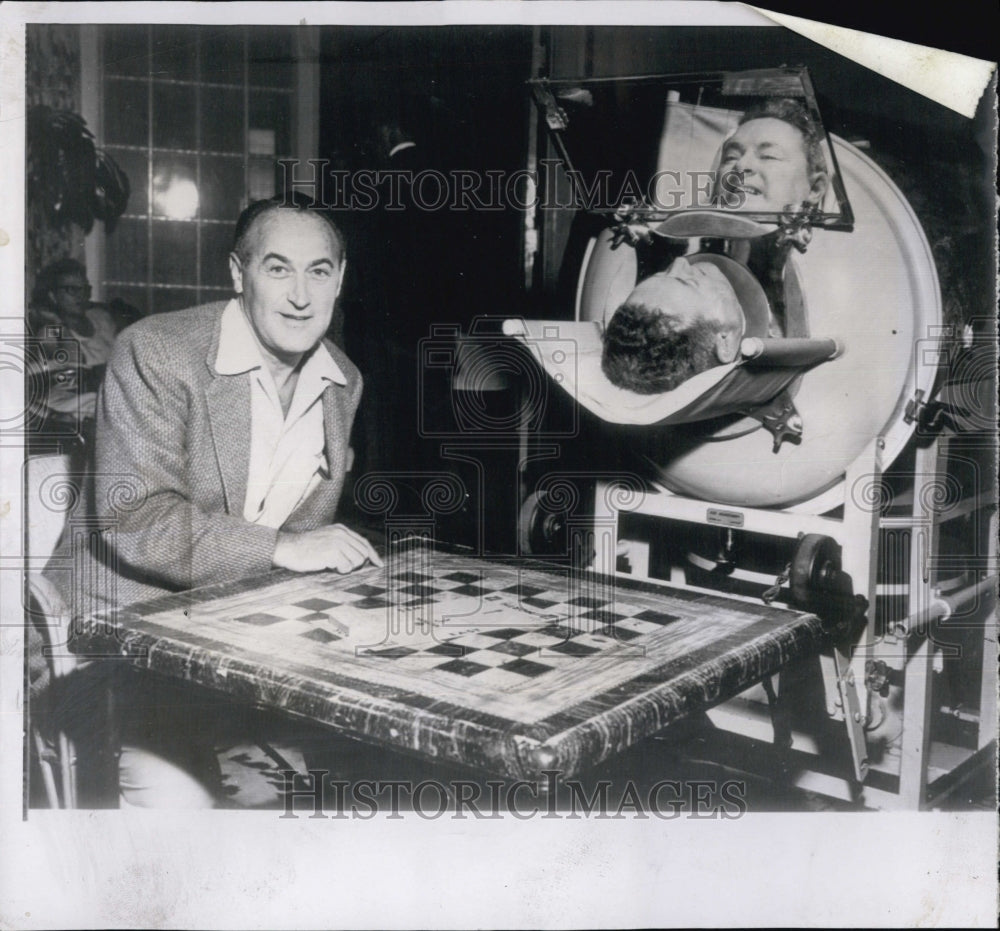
x,y
815,568
541,529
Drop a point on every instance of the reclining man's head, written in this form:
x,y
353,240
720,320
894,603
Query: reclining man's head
x,y
774,160
675,324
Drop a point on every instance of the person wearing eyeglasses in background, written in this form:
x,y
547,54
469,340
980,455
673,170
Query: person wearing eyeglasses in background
x,y
74,341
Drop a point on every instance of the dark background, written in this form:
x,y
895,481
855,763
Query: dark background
x,y
969,28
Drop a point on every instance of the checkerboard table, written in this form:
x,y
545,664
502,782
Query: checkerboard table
x,y
511,666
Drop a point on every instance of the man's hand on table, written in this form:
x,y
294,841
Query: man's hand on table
x,y
332,547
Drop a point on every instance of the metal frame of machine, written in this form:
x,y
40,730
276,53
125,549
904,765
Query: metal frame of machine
x,y
926,762
866,556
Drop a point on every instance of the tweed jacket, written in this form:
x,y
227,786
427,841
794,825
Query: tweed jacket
x,y
172,460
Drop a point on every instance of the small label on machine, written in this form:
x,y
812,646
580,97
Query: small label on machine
x,y
725,518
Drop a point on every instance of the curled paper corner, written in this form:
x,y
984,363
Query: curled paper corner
x,y
948,78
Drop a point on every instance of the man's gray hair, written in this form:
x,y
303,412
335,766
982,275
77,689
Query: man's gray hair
x,y
260,208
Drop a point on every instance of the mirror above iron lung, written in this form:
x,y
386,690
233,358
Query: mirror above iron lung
x,y
650,157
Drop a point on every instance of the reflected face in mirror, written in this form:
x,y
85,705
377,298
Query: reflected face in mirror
x,y
771,157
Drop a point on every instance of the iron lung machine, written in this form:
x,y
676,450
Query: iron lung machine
x,y
842,464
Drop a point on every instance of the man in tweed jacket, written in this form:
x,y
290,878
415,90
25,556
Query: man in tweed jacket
x,y
174,426
222,443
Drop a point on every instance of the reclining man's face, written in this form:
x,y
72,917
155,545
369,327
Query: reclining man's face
x,y
691,293
771,155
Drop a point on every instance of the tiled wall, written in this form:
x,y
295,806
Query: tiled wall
x,y
196,117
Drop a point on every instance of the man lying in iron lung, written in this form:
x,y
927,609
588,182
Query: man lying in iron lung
x,y
682,321
675,324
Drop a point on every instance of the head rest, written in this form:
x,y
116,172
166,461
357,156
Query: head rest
x,y
749,293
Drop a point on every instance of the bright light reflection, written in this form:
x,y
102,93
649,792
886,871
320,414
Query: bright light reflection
x,y
177,199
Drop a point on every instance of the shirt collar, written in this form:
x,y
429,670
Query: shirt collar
x,y
239,352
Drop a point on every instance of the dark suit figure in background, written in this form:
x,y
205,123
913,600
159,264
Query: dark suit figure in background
x,y
409,287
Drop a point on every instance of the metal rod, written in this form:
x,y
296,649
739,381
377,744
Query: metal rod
x,y
943,607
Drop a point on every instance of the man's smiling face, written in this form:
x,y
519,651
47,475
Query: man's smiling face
x,y
771,156
288,282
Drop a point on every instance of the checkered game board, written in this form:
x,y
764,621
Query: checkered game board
x,y
498,638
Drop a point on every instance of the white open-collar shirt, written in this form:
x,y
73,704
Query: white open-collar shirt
x,y
287,457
